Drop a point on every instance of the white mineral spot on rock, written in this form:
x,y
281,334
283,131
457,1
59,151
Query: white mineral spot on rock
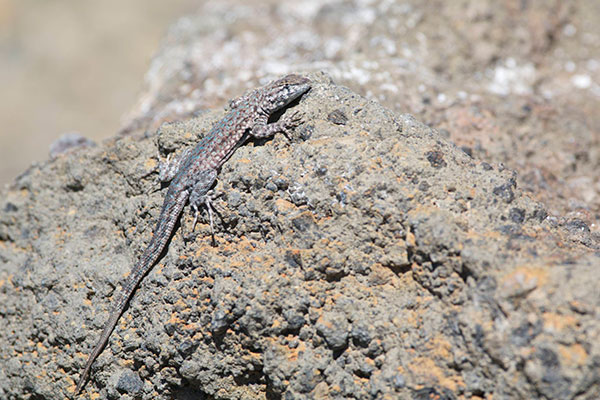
x,y
512,78
570,66
581,81
569,30
592,64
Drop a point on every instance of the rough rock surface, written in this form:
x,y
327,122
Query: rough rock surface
x,y
368,258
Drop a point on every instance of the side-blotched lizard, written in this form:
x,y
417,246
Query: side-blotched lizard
x,y
194,172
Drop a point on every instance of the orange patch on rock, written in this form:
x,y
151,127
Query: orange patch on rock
x,y
441,347
431,373
557,322
574,355
284,205
523,280
293,354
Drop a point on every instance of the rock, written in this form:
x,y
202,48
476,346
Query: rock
x,y
334,329
69,142
129,382
368,287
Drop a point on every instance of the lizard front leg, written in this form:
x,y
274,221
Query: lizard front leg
x,y
168,169
263,129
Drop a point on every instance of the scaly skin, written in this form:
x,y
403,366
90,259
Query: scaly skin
x,y
194,173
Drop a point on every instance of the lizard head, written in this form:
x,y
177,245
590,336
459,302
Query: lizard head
x,y
283,91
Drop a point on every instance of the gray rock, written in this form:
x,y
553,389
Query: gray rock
x,y
368,287
333,326
129,382
69,142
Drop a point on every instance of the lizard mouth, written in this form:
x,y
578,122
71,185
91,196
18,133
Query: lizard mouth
x,y
292,100
297,92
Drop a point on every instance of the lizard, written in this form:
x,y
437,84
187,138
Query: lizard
x,y
193,173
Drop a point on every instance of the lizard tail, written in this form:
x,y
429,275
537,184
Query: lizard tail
x,y
172,207
108,328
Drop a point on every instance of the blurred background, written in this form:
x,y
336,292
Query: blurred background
x,y
72,66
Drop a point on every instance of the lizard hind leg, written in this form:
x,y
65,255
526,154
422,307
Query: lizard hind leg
x,y
205,200
202,196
